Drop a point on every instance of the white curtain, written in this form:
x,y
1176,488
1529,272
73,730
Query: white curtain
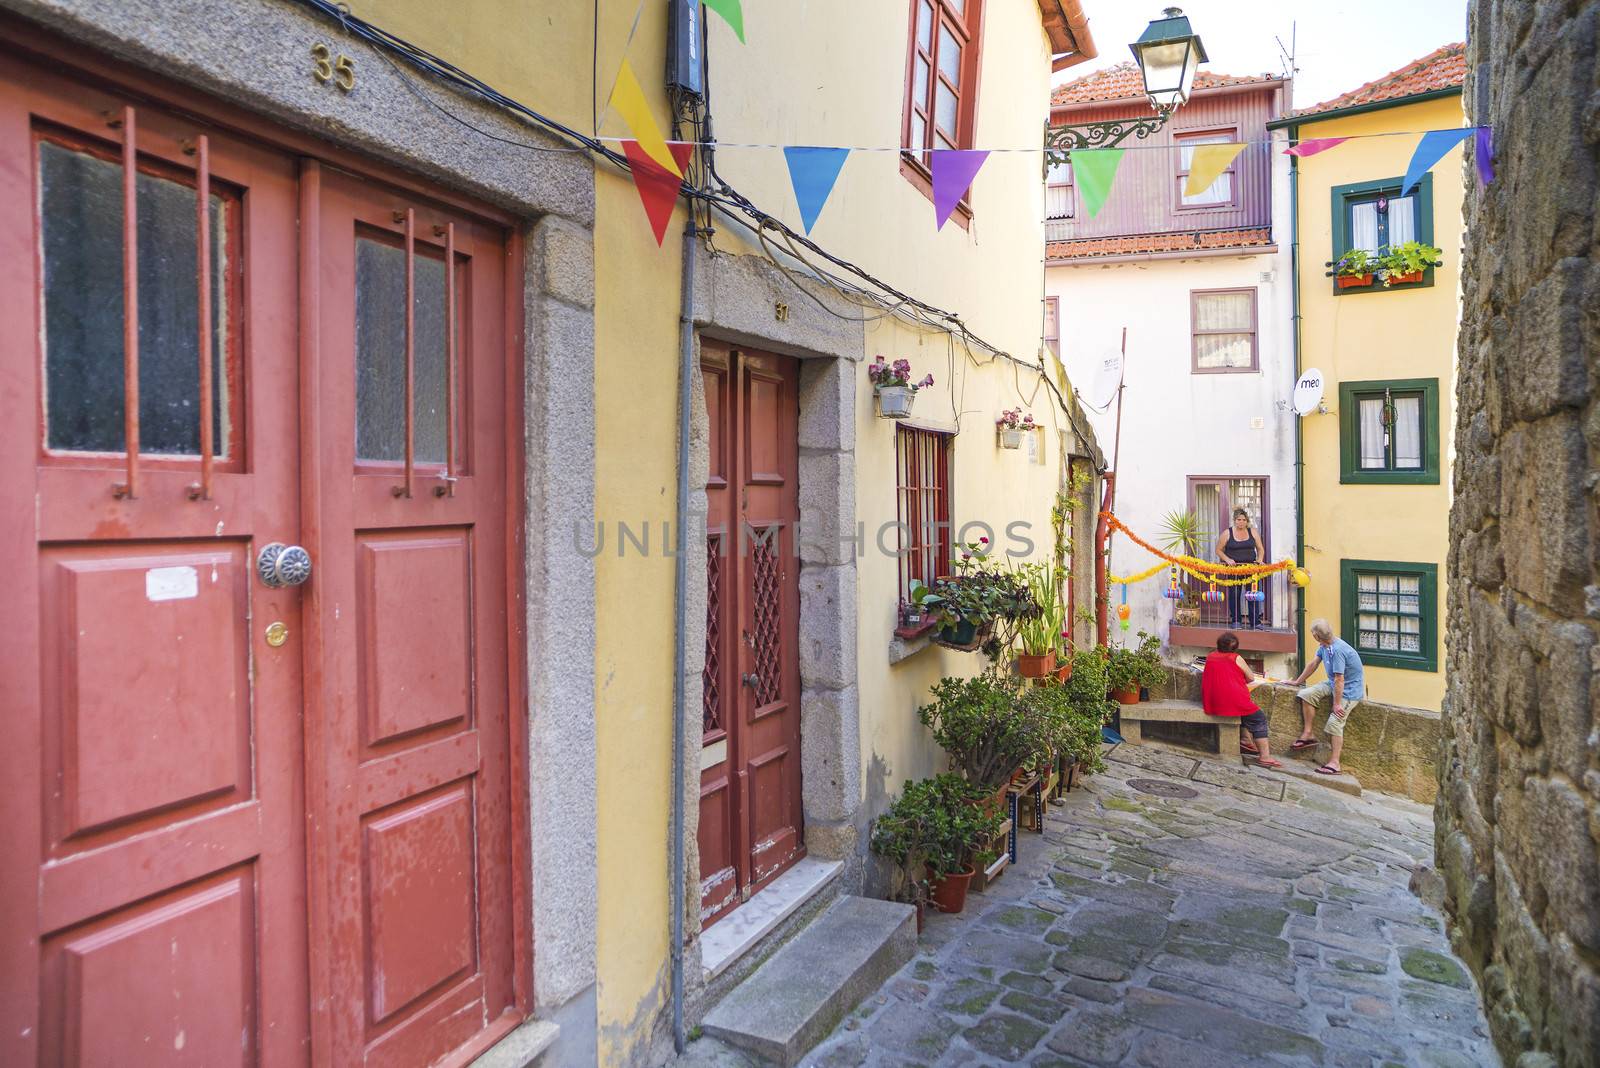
x,y
1364,226
1230,312
1402,221
1372,443
1221,191
1407,432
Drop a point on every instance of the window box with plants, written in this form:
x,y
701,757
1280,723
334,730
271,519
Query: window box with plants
x,y
933,832
1013,427
892,383
1354,268
1406,264
1130,669
966,606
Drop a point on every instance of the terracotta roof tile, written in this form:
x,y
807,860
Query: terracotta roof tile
x,y
1091,247
1123,82
1443,68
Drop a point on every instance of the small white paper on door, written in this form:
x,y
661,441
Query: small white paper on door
x,y
171,583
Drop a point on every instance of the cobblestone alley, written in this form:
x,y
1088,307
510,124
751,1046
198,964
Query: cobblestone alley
x,y
1258,922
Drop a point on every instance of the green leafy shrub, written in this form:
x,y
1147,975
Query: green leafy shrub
x,y
1130,668
939,822
984,726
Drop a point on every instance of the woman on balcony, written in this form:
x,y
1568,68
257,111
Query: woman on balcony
x,y
1241,544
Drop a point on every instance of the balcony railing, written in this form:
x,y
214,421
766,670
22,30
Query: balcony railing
x,y
1274,615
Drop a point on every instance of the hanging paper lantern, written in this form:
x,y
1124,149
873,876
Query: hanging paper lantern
x,y
1124,624
1301,577
1122,612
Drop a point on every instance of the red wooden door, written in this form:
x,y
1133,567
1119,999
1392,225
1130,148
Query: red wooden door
x,y
410,865
152,902
228,802
750,808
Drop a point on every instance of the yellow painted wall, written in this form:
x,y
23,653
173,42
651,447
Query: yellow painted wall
x,y
1365,336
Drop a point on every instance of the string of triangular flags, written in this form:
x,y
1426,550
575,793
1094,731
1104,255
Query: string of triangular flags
x,y
658,165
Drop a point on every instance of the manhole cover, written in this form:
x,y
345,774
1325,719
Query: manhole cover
x,y
1162,788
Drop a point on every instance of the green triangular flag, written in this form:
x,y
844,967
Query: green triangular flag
x,y
732,12
1094,170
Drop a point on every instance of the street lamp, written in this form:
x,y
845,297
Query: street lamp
x,y
1168,52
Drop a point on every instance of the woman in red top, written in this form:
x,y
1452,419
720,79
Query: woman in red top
x,y
1225,691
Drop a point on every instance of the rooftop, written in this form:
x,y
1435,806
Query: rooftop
x,y
1443,68
1124,82
1084,248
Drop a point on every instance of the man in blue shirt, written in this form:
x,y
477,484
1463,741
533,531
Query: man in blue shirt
x,y
1344,688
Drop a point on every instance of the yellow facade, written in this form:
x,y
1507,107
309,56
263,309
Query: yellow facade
x,y
831,72
1373,336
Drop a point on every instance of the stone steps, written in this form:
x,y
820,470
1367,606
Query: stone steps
x,y
802,993
1304,769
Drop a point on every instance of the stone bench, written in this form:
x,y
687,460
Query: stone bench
x,y
1172,711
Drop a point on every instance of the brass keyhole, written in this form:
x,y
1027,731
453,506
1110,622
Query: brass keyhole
x,y
277,633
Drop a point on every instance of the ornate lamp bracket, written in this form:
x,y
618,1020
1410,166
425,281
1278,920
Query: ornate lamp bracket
x,y
1061,141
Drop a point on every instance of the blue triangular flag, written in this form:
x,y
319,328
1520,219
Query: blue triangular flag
x,y
1430,150
813,171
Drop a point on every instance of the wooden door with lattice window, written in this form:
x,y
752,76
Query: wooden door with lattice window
x,y
750,813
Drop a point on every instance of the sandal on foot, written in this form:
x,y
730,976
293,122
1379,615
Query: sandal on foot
x,y
1269,762
1248,749
1303,743
1329,769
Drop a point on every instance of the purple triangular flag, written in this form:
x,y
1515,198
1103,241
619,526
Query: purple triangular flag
x,y
1430,150
953,172
1483,155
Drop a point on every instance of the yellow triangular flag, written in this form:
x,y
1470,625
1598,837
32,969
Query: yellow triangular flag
x,y
628,98
1207,165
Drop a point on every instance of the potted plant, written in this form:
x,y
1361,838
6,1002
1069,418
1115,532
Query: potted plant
x,y
1130,669
1182,532
893,385
1405,263
937,825
1354,268
973,600
919,607
1012,425
984,726
1039,631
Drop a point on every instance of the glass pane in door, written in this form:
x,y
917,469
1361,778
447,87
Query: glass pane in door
x,y
381,354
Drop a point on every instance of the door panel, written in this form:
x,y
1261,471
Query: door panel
x,y
151,779
750,813
411,611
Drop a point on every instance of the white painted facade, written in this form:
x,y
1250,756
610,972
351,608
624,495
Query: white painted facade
x,y
1178,424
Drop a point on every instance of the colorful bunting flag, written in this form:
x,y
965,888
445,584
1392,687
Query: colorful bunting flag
x,y
1093,170
628,98
1483,154
1207,165
953,172
658,187
1430,150
1314,145
812,172
732,13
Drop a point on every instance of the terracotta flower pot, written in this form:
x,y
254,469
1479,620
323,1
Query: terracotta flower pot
x,y
1064,670
1125,697
1394,279
1351,281
1036,667
950,892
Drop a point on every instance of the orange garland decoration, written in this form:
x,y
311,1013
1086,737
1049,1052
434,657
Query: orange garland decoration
x,y
1190,563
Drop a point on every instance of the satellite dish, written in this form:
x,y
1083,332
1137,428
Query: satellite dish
x,y
1308,392
1107,379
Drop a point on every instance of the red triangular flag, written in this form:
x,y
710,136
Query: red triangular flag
x,y
658,187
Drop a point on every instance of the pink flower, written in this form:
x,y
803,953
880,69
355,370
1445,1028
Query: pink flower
x,y
966,556
983,540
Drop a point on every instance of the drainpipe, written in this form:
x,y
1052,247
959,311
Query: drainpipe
x,y
1299,420
680,615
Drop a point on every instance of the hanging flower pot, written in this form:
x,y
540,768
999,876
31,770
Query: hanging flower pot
x,y
1010,439
950,891
892,382
1036,667
894,402
1012,425
1352,281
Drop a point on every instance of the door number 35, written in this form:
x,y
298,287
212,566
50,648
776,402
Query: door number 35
x,y
340,70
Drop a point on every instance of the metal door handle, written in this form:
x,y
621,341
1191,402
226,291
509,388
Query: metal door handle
x,y
752,680
280,565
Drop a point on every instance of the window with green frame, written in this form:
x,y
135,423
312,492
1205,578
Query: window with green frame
x,y
1391,612
1374,216
1389,432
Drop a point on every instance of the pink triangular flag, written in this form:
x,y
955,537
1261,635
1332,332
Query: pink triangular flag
x,y
953,172
1315,145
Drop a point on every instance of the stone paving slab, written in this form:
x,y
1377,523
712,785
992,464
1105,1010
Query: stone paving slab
x,y
1225,929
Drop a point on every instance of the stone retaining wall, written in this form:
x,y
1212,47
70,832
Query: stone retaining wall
x,y
1518,819
1390,748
